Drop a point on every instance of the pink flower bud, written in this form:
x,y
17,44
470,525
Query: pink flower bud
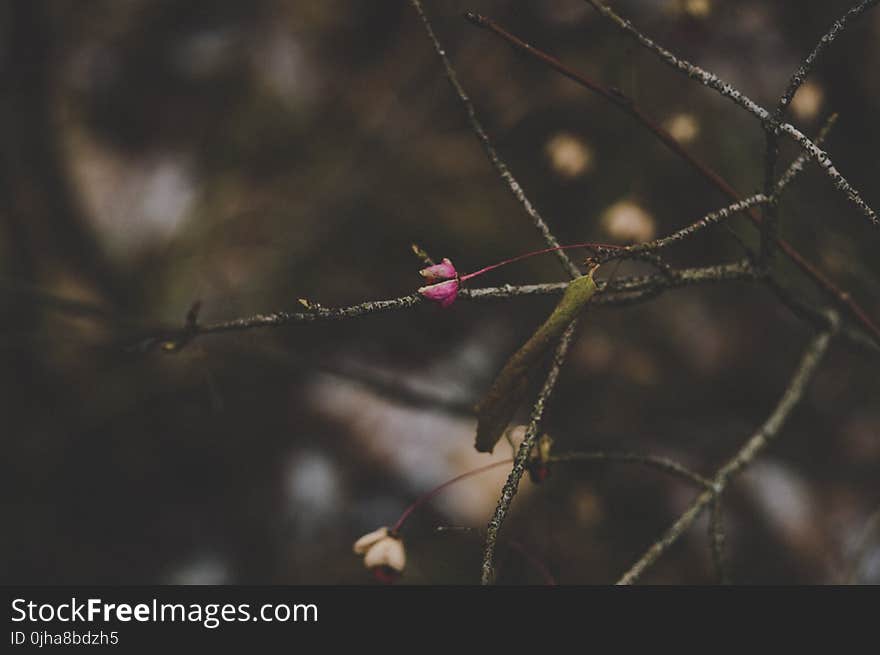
x,y
444,293
439,272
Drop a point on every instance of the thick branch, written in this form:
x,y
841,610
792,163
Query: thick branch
x,y
681,278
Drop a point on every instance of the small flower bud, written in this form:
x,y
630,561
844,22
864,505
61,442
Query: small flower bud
x,y
383,553
443,293
388,552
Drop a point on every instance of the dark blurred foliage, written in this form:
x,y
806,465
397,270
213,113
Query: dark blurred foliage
x,y
249,153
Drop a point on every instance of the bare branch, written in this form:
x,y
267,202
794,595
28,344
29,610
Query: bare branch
x,y
843,298
522,456
513,544
277,319
671,467
664,464
757,443
726,212
871,527
770,226
712,81
827,39
176,338
707,220
818,317
797,166
716,540
624,285
500,167
770,220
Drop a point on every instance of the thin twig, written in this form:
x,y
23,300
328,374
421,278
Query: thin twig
x,y
726,212
843,298
664,464
757,443
770,226
496,161
797,166
638,284
277,319
827,39
709,219
716,540
513,544
818,317
712,81
871,526
615,96
610,292
522,456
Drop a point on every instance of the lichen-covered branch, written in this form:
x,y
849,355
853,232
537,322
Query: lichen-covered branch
x,y
843,298
618,292
709,219
495,159
774,188
727,90
836,29
522,456
797,166
770,224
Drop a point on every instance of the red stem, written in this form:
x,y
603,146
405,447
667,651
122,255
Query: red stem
x,y
549,580
587,244
421,500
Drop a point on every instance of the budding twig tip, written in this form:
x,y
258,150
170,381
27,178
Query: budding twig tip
x,y
476,19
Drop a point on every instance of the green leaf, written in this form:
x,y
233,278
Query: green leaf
x,y
497,408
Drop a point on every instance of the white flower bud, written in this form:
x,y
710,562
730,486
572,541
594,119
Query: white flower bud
x,y
362,545
387,552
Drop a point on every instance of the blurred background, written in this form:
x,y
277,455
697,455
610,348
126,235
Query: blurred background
x,y
246,154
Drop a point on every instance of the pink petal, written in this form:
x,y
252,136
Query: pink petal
x,y
442,271
444,293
